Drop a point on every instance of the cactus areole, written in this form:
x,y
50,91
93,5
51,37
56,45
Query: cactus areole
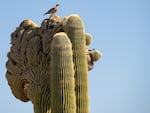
x,y
48,64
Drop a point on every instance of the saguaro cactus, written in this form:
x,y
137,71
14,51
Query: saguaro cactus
x,y
49,65
62,75
76,33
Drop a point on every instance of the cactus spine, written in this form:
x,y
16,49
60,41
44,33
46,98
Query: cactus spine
x,y
62,75
75,30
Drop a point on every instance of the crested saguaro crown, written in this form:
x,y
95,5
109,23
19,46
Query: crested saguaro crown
x,y
48,64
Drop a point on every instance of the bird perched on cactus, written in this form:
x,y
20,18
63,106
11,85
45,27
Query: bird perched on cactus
x,y
52,10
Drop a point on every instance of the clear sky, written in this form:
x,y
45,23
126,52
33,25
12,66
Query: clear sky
x,y
120,81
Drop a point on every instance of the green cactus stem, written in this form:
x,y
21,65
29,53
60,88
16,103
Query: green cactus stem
x,y
75,30
62,75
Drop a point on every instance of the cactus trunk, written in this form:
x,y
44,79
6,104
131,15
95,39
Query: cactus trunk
x,y
38,88
62,75
75,30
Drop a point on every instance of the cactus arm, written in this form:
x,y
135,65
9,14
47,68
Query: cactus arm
x,y
75,30
62,79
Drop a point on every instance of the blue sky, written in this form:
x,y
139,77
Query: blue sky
x,y
120,81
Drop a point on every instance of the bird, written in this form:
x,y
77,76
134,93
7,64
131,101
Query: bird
x,y
52,10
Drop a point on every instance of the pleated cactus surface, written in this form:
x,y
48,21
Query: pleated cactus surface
x,y
62,79
75,30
